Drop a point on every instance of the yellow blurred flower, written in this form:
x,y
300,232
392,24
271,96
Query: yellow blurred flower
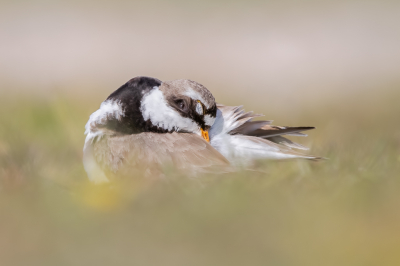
x,y
103,197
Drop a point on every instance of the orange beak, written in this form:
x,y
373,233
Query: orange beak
x,y
205,135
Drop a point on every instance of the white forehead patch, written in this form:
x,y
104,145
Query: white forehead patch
x,y
209,120
199,109
154,107
196,96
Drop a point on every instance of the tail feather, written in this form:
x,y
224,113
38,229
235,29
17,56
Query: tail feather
x,y
249,127
245,138
286,142
271,131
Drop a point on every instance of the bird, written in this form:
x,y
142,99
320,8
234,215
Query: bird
x,y
147,125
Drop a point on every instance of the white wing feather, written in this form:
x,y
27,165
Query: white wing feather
x,y
241,149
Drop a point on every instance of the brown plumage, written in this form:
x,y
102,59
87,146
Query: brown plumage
x,y
126,154
147,126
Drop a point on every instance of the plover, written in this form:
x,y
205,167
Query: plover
x,y
147,124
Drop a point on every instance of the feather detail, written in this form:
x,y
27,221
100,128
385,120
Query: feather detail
x,y
286,142
234,117
242,140
126,155
271,131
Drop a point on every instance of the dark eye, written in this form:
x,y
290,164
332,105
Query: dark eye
x,y
181,104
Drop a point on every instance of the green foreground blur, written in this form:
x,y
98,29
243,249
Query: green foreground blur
x,y
341,211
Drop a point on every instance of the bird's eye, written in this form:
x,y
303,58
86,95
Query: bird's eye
x,y
181,104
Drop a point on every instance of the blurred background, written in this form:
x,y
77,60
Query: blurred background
x,y
285,50
330,64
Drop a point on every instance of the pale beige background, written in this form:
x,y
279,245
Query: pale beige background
x,y
284,50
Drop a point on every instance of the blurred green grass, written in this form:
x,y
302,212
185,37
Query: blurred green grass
x,y
342,211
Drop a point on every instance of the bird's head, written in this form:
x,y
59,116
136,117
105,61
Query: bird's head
x,y
181,106
146,104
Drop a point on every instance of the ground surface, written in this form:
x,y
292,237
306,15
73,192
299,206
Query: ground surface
x,y
342,211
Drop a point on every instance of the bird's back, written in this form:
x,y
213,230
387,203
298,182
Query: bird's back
x,y
127,155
